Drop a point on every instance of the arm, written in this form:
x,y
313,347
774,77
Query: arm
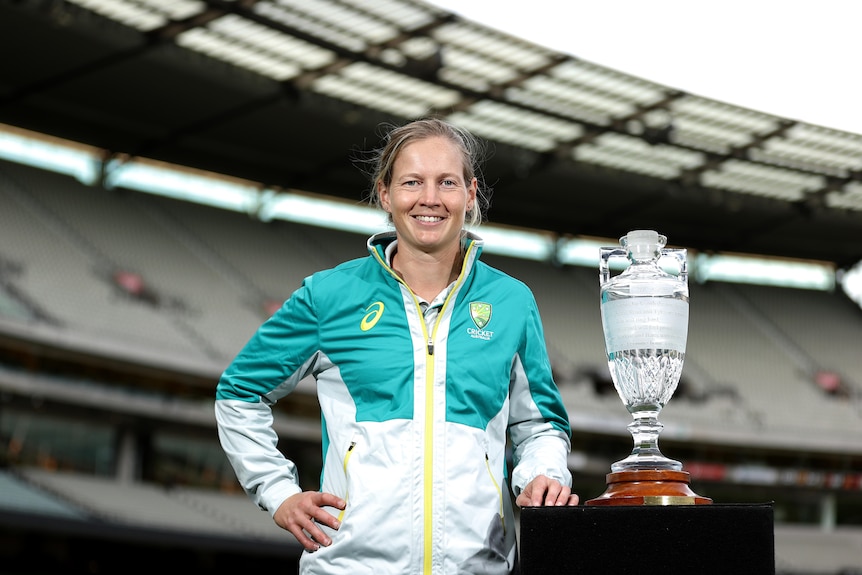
x,y
268,368
249,441
538,424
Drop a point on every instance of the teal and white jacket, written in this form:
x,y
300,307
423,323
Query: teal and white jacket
x,y
416,408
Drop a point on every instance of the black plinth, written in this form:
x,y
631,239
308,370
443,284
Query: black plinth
x,y
647,539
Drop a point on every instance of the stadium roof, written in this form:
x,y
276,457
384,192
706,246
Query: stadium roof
x,y
286,92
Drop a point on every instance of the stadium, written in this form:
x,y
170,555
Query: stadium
x,y
171,171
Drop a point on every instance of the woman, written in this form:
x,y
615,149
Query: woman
x,y
425,359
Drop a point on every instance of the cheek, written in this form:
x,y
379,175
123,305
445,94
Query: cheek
x,y
399,201
459,204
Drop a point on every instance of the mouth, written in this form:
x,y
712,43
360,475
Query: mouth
x,y
430,219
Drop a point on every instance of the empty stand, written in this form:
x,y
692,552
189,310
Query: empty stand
x,y
152,505
214,270
748,372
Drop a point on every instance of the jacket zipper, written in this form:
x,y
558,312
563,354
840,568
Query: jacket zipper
x,y
429,415
428,467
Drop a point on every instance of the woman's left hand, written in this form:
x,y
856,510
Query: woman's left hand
x,y
543,490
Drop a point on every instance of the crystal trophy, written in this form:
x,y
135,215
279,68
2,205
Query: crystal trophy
x,y
644,313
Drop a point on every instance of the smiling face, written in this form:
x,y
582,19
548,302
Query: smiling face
x,y
428,196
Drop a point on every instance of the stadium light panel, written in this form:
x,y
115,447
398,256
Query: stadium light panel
x,y
338,22
373,86
303,209
761,271
518,127
182,186
578,252
78,163
142,18
255,47
635,155
849,198
517,243
767,181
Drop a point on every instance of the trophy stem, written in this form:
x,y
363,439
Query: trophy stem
x,y
646,477
645,430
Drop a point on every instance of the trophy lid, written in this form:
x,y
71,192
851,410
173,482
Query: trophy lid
x,y
643,244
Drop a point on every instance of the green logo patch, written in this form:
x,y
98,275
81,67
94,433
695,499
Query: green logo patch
x,y
480,312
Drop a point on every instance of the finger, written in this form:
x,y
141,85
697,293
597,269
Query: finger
x,y
318,535
326,518
557,494
306,530
565,497
574,499
540,491
329,500
554,491
322,515
303,538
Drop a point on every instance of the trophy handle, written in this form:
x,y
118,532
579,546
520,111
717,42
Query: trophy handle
x,y
604,267
678,255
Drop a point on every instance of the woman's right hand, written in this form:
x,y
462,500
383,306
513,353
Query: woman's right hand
x,y
301,513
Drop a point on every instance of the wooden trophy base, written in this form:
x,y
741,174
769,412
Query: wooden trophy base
x,y
649,487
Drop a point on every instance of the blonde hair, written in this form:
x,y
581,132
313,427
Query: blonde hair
x,y
471,148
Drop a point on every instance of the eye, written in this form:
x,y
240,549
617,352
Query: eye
x,y
449,183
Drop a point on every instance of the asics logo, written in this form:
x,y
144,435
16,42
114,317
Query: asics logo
x,y
374,311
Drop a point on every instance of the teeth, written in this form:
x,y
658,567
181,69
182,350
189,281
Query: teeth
x,y
429,218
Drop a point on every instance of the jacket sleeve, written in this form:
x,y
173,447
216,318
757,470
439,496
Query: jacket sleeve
x,y
276,358
538,421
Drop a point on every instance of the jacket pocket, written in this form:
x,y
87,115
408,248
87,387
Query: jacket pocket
x,y
497,489
350,450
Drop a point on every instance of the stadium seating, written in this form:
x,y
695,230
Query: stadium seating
x,y
752,355
213,271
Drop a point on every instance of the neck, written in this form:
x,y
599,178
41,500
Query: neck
x,y
427,274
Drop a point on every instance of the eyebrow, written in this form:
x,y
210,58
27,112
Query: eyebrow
x,y
444,175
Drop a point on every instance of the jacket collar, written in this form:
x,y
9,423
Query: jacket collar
x,y
379,242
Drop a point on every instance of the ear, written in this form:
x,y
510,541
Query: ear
x,y
471,193
383,194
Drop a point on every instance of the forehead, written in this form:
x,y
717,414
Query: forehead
x,y
434,151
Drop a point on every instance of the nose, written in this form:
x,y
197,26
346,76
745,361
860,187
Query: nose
x,y
430,195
